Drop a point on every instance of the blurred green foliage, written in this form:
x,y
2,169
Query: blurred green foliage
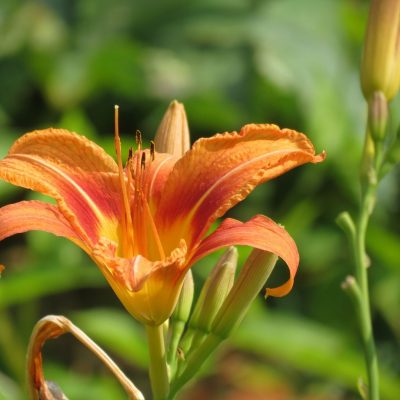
x,y
294,63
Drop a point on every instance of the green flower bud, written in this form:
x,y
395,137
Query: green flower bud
x,y
250,282
184,304
213,294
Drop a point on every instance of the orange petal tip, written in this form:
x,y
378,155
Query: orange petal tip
x,y
319,157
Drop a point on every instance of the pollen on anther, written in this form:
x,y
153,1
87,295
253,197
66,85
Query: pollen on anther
x,y
143,160
138,137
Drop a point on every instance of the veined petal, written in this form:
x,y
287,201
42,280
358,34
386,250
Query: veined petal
x,y
261,233
73,170
35,215
219,172
148,290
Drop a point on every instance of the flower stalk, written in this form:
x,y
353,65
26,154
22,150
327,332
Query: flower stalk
x,y
380,80
358,289
159,378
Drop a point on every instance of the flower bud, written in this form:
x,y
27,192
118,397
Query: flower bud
x,y
212,295
380,68
173,132
184,304
251,280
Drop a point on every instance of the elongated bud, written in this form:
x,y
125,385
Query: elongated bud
x,y
215,290
180,316
248,285
173,132
184,304
378,114
380,68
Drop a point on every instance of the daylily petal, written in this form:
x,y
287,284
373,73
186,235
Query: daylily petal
x,y
261,233
148,290
73,170
35,215
219,172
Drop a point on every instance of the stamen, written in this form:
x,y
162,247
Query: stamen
x,y
153,228
128,169
143,161
137,206
129,174
139,138
152,150
130,154
126,220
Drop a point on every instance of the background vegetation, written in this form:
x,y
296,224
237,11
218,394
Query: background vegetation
x,y
65,63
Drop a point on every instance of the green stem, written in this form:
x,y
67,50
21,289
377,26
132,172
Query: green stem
x,y
177,331
370,170
194,362
364,314
158,362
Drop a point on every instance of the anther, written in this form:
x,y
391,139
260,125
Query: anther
x,y
138,137
152,150
143,160
130,154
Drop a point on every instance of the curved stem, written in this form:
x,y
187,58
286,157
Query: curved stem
x,y
158,362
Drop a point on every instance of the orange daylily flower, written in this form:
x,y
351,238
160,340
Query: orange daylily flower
x,y
145,224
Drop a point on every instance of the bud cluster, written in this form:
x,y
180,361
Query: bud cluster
x,y
221,306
